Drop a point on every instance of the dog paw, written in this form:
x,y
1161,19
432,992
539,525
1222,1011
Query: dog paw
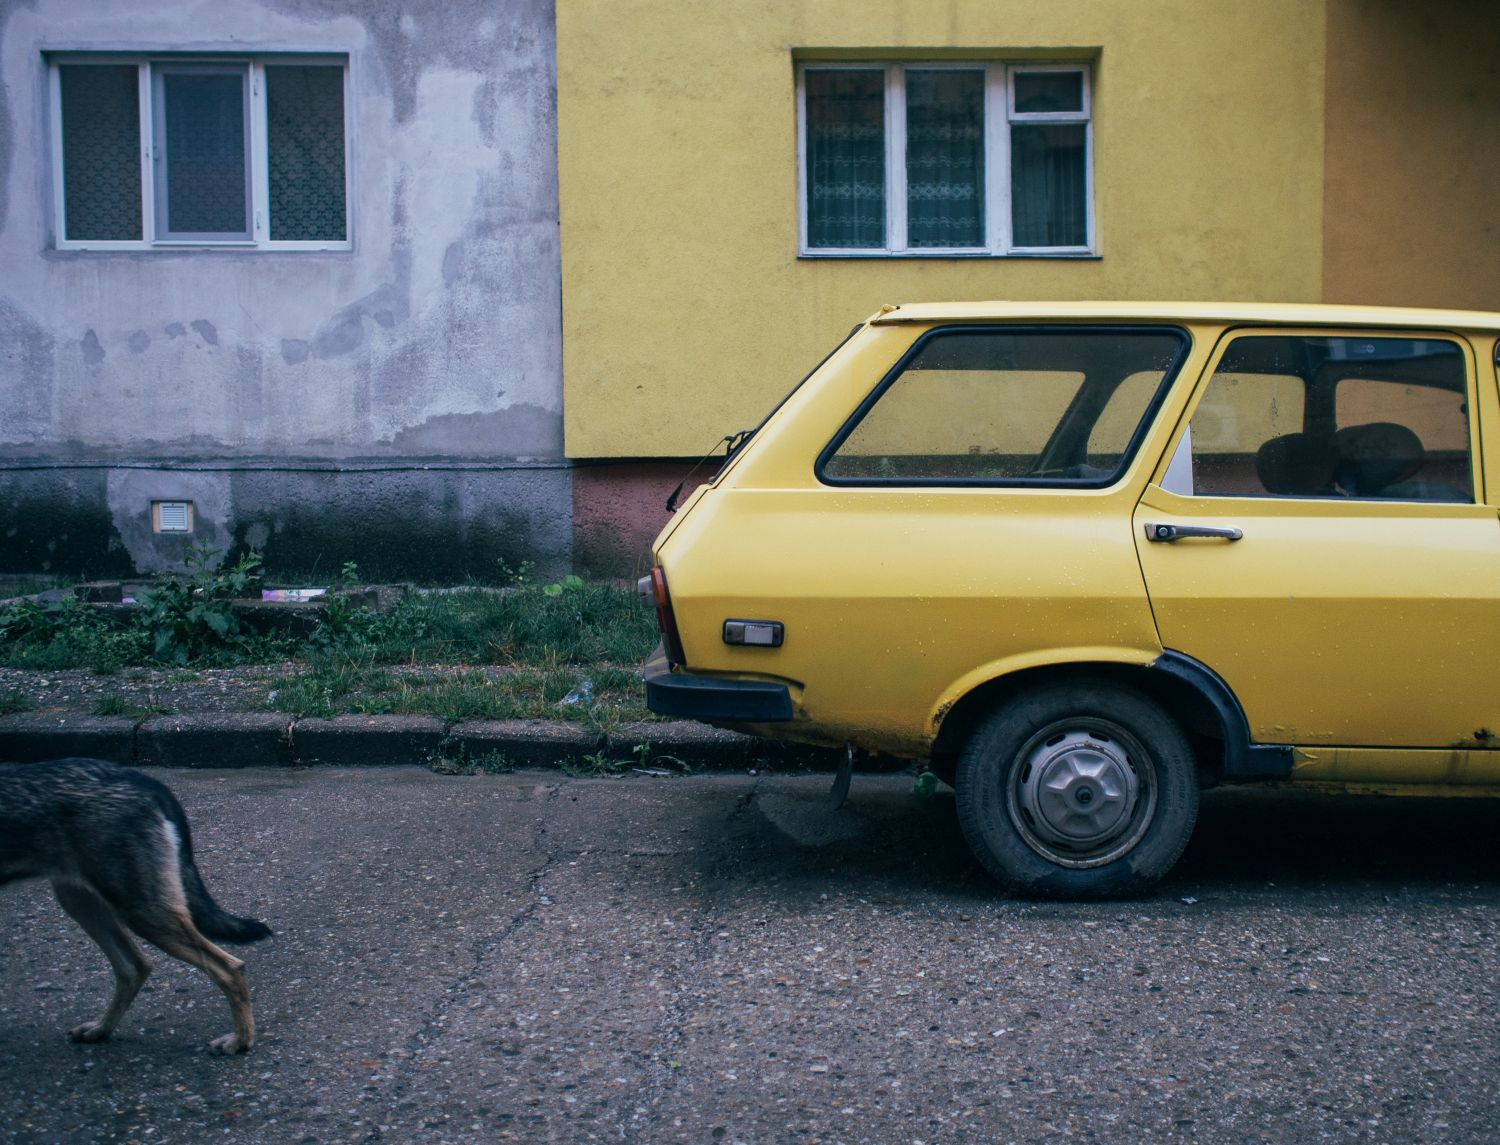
x,y
228,1044
88,1032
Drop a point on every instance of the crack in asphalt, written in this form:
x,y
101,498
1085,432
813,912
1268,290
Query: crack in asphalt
x,y
660,1077
643,1129
402,1075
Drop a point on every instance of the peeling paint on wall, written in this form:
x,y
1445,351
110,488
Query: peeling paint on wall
x,y
450,296
522,431
93,353
27,357
468,35
435,338
7,125
129,494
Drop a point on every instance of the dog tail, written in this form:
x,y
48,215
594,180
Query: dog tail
x,y
209,917
212,920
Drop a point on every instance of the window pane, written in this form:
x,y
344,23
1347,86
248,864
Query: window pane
x,y
1402,417
101,140
1239,414
945,158
1399,428
997,406
205,153
1117,420
1440,416
1048,184
305,135
1048,91
845,158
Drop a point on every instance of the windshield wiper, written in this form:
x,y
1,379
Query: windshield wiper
x,y
733,442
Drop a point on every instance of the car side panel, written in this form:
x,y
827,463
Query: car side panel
x,y
892,597
1356,623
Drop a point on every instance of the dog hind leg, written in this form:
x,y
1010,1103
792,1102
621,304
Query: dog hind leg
x,y
130,965
171,930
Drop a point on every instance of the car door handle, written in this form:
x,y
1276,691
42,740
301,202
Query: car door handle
x,y
1166,534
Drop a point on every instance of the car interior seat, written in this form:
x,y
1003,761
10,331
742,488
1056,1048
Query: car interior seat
x,y
1297,464
1375,456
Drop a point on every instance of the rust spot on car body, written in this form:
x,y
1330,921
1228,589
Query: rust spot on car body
x,y
941,714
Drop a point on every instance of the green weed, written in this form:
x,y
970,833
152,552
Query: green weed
x,y
465,696
551,637
333,684
65,634
113,705
520,625
643,756
11,702
594,763
457,759
191,618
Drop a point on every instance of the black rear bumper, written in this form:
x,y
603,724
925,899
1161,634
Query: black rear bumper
x,y
711,698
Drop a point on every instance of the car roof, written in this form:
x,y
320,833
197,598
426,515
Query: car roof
x,y
1233,313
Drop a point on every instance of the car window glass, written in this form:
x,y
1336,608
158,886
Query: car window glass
x,y
1007,405
1439,416
939,421
1304,416
1111,433
1238,415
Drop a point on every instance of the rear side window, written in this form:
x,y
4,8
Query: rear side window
x,y
1008,406
1353,417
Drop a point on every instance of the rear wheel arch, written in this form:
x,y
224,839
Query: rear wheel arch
x,y
1179,695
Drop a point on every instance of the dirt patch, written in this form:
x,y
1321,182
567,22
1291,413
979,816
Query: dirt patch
x,y
142,690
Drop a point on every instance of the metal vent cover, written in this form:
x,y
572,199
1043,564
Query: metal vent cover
x,y
172,516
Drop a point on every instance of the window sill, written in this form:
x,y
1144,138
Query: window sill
x,y
178,247
947,256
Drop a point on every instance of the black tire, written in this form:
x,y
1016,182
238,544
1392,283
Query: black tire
x,y
1082,790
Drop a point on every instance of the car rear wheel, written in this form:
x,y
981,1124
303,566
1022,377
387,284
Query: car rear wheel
x,y
1080,790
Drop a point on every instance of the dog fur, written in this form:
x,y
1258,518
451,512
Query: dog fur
x,y
116,847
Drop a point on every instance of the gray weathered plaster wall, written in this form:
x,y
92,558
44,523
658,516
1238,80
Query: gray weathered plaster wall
x,y
417,375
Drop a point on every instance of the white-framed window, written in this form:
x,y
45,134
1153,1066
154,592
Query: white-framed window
x,y
167,151
945,158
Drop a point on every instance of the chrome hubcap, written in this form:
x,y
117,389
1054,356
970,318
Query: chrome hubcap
x,y
1078,797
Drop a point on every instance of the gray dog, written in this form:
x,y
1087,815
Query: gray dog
x,y
115,845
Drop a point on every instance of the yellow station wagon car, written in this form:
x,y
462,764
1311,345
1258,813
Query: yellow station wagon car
x,y
1089,557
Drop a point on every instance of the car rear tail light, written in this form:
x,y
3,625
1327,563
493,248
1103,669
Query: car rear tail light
x,y
653,590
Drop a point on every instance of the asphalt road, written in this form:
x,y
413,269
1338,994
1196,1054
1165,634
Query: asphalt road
x,y
539,959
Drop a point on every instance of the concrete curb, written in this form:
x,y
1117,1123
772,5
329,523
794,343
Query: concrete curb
x,y
29,736
352,740
267,739
246,739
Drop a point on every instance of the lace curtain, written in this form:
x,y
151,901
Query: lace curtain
x,y
845,158
944,158
101,139
1047,184
305,137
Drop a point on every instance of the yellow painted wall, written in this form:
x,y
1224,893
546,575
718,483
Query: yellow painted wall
x,y
686,311
1413,153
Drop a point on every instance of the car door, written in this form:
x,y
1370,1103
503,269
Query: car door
x,y
1318,543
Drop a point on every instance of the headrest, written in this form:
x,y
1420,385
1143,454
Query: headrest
x,y
1375,455
1296,463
